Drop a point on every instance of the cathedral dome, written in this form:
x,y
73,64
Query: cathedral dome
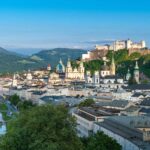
x,y
60,68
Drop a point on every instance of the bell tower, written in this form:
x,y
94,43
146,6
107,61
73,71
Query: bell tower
x,y
69,69
128,75
81,71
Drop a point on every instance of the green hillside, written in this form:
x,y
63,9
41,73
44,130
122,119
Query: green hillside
x,y
53,56
123,62
12,62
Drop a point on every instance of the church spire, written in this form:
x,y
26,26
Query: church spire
x,y
136,66
128,75
113,66
69,63
60,61
136,73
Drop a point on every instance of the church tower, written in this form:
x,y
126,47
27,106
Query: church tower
x,y
96,77
29,76
88,78
136,73
69,69
128,75
81,71
113,66
14,82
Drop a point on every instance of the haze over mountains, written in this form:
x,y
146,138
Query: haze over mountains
x,y
25,51
14,62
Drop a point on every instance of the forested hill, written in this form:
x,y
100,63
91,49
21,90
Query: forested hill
x,y
123,62
53,56
13,62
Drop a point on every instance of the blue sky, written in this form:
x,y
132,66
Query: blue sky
x,y
72,23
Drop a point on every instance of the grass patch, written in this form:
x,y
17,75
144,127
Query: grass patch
x,y
36,58
26,62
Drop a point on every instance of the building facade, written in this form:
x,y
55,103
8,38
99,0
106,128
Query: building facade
x,y
107,75
75,73
101,51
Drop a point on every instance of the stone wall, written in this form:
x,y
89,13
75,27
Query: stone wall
x,y
142,52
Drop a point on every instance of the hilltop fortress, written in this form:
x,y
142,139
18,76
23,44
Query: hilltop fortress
x,y
101,51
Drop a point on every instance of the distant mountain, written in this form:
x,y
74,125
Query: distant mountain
x,y
8,60
53,56
25,51
13,62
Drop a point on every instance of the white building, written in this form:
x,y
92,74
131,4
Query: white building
x,y
86,56
132,133
14,81
102,47
29,76
128,44
75,73
86,117
117,45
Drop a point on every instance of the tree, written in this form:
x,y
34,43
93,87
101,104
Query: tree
x,y
135,56
93,65
44,127
132,81
26,104
14,99
100,141
86,103
121,55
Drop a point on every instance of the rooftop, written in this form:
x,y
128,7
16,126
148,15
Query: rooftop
x,y
91,113
132,134
145,102
114,103
138,87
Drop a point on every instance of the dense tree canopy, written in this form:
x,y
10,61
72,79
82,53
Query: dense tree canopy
x,y
19,103
135,56
42,128
14,99
86,103
100,141
50,127
120,55
93,65
123,62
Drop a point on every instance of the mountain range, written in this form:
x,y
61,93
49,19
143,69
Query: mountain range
x,y
13,62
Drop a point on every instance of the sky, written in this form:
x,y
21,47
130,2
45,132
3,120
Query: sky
x,y
72,23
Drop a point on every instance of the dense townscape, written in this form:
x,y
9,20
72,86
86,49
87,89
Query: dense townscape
x,y
97,107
